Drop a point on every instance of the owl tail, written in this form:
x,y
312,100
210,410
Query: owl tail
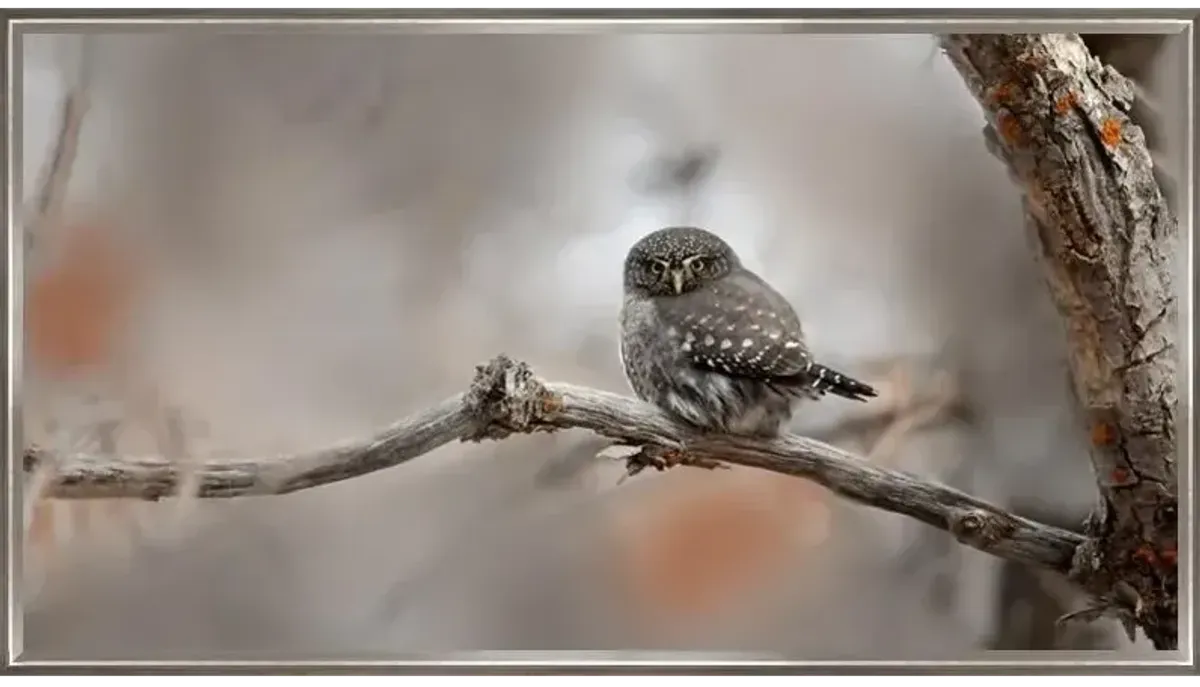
x,y
824,380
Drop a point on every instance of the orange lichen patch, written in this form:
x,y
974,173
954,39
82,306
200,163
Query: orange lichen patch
x,y
75,309
1001,94
1064,104
1170,556
1009,128
1103,434
1119,476
711,544
1110,132
1146,555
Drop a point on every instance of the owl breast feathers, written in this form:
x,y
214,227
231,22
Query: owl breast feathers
x,y
719,350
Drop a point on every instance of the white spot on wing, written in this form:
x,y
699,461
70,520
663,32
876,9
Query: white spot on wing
x,y
747,343
726,343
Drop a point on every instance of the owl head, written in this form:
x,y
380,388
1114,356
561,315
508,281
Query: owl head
x,y
676,260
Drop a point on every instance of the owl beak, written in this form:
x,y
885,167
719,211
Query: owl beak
x,y
677,281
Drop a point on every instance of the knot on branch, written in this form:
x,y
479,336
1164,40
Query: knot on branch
x,y
980,528
33,458
506,398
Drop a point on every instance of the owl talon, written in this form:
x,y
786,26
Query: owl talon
x,y
673,457
647,457
662,459
669,458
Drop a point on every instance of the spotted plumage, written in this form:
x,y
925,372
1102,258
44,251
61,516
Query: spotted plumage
x,y
711,343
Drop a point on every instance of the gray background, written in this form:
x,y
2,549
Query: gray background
x,y
337,228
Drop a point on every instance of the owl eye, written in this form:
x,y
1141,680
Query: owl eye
x,y
699,265
657,268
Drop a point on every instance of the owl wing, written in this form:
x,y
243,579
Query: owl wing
x,y
740,326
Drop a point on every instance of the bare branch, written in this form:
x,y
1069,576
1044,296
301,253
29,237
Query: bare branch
x,y
1107,240
915,414
916,393
506,398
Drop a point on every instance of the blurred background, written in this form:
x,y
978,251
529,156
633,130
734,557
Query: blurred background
x,y
270,243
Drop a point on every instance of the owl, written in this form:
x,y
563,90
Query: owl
x,y
711,343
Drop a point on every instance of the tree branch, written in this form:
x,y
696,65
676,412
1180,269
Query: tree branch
x,y
1107,240
506,398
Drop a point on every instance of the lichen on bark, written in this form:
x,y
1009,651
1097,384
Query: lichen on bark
x,y
1106,238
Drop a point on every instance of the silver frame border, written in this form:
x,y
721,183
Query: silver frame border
x,y
569,21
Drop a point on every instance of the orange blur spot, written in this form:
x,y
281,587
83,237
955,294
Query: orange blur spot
x,y
711,544
76,308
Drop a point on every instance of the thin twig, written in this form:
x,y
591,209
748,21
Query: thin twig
x,y
913,416
506,398
56,173
47,209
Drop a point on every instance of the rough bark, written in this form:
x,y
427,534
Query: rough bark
x,y
1059,119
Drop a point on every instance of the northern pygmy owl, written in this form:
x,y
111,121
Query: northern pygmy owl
x,y
711,343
